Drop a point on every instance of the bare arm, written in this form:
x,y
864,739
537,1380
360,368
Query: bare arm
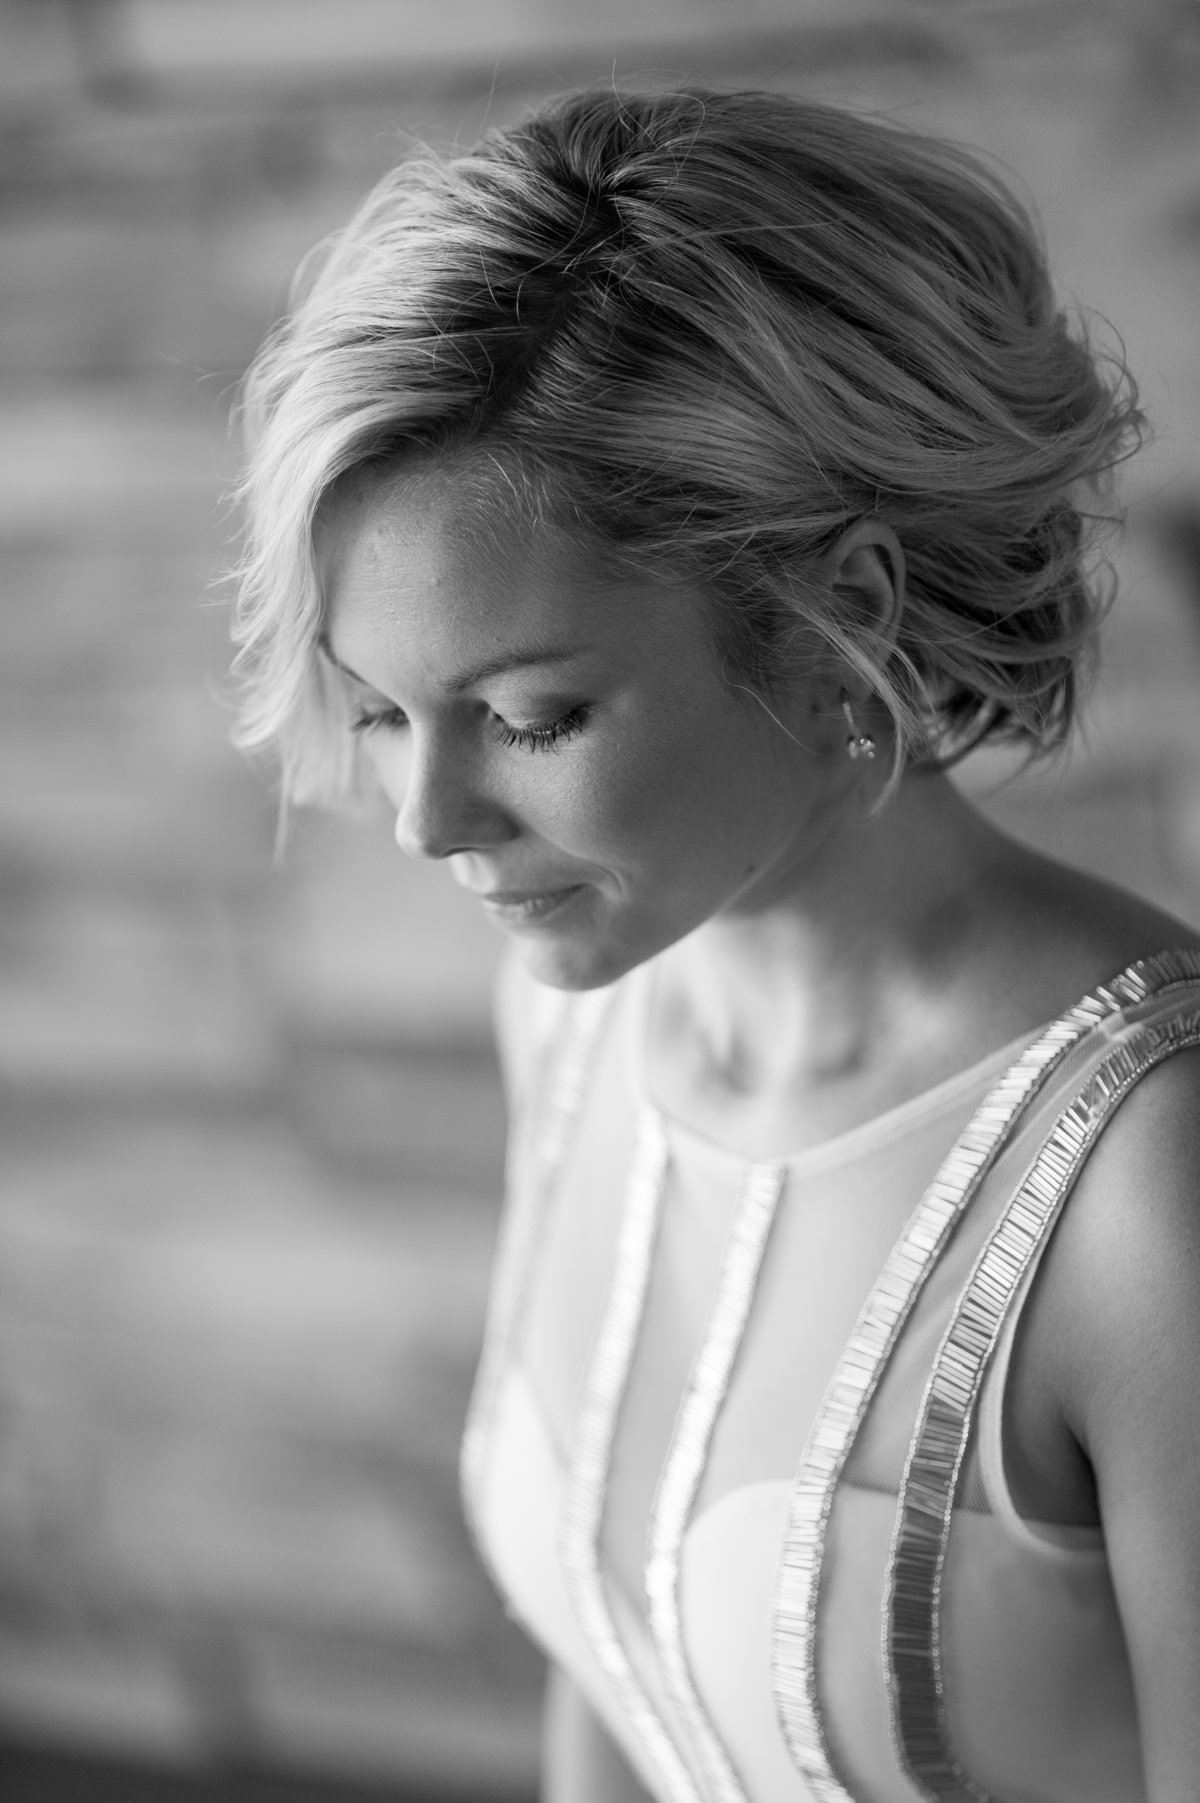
x,y
1134,1249
580,1763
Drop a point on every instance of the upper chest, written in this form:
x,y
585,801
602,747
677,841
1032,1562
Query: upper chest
x,y
839,1210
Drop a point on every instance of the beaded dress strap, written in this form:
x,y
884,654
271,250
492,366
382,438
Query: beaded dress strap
x,y
591,1458
591,1454
913,1610
687,1457
873,1340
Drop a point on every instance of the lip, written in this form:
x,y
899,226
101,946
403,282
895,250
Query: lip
x,y
529,907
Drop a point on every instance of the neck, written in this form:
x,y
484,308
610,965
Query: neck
x,y
846,961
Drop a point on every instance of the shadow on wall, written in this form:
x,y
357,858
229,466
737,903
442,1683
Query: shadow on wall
x,y
252,1126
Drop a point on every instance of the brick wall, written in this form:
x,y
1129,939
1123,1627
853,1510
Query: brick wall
x,y
252,1132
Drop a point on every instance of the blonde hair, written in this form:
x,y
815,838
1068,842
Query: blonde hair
x,y
709,331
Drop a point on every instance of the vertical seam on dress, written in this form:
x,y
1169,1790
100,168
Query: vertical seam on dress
x,y
687,1456
912,1620
591,1454
844,1405
568,1058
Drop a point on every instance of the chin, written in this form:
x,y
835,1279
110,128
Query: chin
x,y
576,965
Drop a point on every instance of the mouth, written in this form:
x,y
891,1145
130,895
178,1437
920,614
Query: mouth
x,y
522,907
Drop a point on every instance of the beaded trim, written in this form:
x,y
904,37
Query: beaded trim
x,y
844,1405
913,1620
688,1455
567,1059
595,1428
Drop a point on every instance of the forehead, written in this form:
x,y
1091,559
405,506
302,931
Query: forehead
x,y
438,522
432,571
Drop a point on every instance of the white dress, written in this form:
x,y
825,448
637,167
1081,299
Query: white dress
x,y
735,1452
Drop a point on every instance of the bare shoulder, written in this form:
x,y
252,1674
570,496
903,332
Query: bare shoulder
x,y
1124,1274
1131,1246
1142,1179
1109,1341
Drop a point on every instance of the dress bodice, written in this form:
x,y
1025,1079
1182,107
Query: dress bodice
x,y
735,1454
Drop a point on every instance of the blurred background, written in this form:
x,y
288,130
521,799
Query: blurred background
x,y
252,1128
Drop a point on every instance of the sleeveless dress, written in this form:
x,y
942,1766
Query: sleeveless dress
x,y
735,1456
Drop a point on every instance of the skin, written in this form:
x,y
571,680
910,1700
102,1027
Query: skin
x,y
817,960
612,811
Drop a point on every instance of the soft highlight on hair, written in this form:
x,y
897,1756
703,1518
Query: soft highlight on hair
x,y
708,331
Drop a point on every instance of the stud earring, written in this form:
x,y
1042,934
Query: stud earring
x,y
858,744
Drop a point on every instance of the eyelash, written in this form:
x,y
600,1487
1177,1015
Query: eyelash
x,y
390,717
527,738
544,738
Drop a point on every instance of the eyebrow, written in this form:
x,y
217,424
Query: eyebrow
x,y
520,659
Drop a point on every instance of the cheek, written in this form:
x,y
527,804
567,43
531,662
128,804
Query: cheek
x,y
685,797
593,803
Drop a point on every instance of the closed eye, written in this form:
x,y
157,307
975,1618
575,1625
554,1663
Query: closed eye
x,y
543,737
367,719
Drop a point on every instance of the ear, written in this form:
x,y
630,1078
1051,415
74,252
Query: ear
x,y
865,571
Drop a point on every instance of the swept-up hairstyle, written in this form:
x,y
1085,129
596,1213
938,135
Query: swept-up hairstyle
x,y
707,331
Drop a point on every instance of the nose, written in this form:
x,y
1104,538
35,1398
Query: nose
x,y
441,806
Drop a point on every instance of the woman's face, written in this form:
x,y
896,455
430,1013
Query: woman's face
x,y
566,741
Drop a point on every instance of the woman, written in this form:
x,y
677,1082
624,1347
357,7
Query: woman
x,y
654,502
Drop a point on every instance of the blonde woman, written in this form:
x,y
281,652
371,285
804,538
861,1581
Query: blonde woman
x,y
654,502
